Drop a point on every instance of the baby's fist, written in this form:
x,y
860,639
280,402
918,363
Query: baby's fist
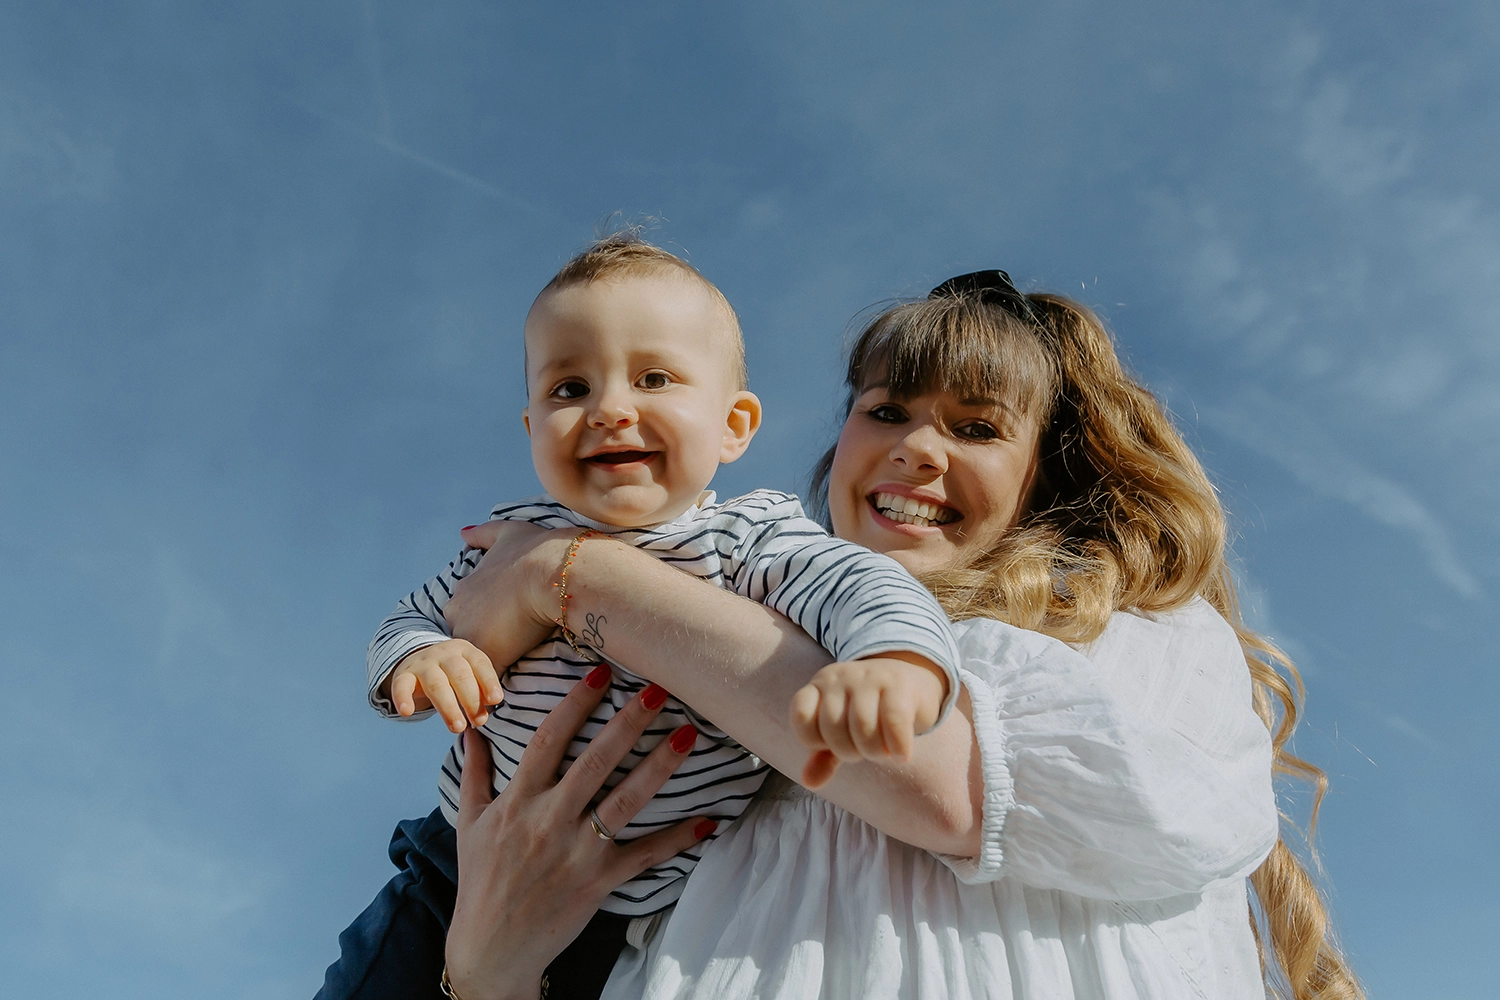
x,y
452,676
866,710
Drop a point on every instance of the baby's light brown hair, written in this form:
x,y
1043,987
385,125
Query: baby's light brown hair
x,y
626,253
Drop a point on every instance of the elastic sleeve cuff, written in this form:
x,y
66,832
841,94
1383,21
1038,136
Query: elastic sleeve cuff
x,y
944,657
999,788
393,653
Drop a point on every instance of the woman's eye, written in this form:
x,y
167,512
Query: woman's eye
x,y
887,414
571,389
978,430
654,380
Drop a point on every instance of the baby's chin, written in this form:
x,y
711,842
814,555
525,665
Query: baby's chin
x,y
629,506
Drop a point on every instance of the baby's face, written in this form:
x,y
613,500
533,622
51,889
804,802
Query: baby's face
x,y
633,400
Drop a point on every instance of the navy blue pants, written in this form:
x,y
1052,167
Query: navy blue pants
x,y
394,949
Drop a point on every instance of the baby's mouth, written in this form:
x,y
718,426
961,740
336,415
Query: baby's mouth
x,y
620,457
905,510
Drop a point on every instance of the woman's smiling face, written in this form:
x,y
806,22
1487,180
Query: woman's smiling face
x,y
931,480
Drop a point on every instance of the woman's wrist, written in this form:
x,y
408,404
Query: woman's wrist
x,y
541,570
463,987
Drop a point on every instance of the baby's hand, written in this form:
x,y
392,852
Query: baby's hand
x,y
452,676
866,710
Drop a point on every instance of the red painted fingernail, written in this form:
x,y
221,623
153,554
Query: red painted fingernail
x,y
683,738
704,828
598,677
654,696
468,526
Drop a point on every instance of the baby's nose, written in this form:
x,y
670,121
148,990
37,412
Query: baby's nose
x,y
614,414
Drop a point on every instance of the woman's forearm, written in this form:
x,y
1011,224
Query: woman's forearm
x,y
739,663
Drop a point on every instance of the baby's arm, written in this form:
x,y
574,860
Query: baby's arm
x,y
414,666
898,660
867,709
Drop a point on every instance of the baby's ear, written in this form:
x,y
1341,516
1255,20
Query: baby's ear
x,y
526,419
740,427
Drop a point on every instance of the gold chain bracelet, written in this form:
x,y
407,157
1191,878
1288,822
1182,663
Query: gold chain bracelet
x,y
561,621
452,994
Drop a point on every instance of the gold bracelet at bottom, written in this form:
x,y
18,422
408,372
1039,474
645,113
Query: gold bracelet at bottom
x,y
452,994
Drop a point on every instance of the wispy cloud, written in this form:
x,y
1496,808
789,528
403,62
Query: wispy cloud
x,y
1353,315
42,155
1280,431
159,884
377,73
390,145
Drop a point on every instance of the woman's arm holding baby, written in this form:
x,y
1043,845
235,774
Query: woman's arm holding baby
x,y
733,660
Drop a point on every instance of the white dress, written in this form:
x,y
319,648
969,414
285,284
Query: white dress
x,y
1127,797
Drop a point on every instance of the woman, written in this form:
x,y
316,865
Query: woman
x,y
1114,804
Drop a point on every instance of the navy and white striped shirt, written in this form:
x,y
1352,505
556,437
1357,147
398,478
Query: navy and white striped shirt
x,y
855,602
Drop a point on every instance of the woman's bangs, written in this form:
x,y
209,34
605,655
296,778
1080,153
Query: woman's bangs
x,y
956,346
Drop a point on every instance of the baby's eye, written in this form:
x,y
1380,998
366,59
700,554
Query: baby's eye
x,y
571,389
654,380
977,430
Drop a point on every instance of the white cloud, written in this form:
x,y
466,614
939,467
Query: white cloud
x,y
1283,432
42,155
1348,299
161,885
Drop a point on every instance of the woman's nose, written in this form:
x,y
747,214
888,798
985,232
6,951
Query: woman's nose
x,y
921,450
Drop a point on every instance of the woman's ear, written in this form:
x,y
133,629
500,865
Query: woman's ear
x,y
740,427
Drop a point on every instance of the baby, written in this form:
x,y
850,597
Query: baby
x,y
636,393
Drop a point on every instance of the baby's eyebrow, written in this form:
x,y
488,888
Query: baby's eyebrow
x,y
554,364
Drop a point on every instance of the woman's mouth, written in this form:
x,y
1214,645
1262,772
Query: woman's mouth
x,y
905,510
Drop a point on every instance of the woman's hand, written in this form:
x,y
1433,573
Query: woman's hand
x,y
506,606
532,869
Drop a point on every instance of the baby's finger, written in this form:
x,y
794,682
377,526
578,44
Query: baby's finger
x,y
898,725
819,769
440,693
489,680
864,723
403,687
833,724
804,716
460,673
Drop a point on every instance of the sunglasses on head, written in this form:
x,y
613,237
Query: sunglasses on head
x,y
991,286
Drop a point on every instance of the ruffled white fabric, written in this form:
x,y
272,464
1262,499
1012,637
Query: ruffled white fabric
x,y
1127,796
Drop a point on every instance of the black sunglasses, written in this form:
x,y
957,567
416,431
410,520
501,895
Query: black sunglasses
x,y
991,286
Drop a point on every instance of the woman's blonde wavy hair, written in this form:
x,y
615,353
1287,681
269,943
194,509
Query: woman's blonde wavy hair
x,y
1122,517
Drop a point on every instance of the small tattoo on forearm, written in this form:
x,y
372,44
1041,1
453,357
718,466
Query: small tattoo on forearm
x,y
591,633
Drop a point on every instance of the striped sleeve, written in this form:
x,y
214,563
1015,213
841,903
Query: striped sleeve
x,y
417,622
418,619
854,602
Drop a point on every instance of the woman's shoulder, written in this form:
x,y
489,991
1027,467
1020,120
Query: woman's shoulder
x,y
1173,659
1195,627
989,639
1143,648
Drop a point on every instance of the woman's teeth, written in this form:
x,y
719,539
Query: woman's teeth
x,y
909,511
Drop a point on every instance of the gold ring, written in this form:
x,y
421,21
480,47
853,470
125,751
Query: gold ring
x,y
598,826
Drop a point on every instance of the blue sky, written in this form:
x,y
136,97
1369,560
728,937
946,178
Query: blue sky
x,y
263,269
